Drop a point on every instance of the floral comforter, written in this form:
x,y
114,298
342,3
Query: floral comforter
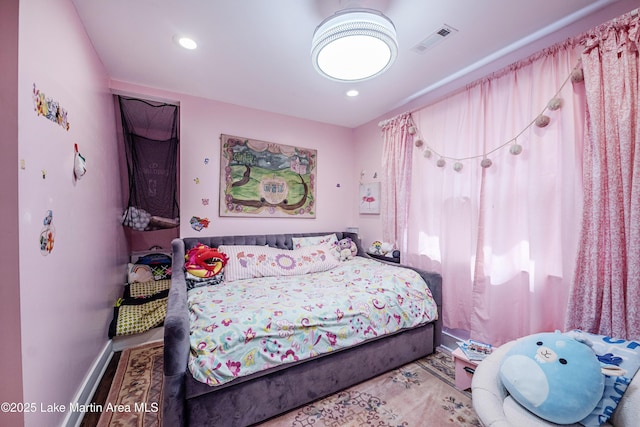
x,y
245,326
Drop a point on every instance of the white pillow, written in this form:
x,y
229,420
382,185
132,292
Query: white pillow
x,y
301,242
246,262
330,239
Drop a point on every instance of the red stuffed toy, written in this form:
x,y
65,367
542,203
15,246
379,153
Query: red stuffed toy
x,y
205,262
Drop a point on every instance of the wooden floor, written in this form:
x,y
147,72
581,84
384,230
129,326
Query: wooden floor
x,y
90,419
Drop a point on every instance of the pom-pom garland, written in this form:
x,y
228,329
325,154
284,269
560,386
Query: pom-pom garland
x,y
577,75
541,121
555,104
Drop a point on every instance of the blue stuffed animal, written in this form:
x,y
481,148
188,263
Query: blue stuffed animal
x,y
554,376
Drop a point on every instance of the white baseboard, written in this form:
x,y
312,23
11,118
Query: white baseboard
x,y
92,380
450,339
89,385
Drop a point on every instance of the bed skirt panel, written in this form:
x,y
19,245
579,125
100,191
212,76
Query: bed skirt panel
x,y
249,402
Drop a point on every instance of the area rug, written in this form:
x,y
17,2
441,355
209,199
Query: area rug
x,y
135,397
419,394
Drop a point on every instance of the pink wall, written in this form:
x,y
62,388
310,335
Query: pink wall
x,y
368,152
202,121
66,297
10,350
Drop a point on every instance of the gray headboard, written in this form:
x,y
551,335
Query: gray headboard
x,y
281,241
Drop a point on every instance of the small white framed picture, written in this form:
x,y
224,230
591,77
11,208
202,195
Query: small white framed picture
x,y
370,198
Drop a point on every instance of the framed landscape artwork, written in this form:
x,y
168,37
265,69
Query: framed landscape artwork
x,y
370,198
266,180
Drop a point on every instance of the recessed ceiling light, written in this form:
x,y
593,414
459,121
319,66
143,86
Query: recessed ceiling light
x,y
352,93
187,43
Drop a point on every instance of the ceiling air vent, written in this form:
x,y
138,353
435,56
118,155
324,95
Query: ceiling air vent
x,y
436,37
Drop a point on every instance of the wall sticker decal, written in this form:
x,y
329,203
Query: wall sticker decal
x,y
79,163
198,223
47,235
49,108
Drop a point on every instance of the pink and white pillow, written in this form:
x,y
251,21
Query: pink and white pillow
x,y
301,242
330,239
246,262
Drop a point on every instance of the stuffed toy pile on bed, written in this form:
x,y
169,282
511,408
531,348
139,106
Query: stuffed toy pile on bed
x,y
347,249
572,377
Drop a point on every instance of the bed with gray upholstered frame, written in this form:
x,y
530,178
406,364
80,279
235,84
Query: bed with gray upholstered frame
x,y
250,399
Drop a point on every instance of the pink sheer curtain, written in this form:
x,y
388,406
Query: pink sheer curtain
x,y
605,297
503,237
396,178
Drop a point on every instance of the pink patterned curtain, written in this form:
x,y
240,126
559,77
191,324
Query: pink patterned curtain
x,y
396,178
605,297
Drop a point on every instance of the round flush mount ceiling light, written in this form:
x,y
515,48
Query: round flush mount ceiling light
x,y
187,43
354,45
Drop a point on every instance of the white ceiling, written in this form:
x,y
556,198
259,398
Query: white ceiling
x,y
256,53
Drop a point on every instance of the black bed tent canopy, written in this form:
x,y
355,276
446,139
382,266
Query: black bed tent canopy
x,y
150,134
